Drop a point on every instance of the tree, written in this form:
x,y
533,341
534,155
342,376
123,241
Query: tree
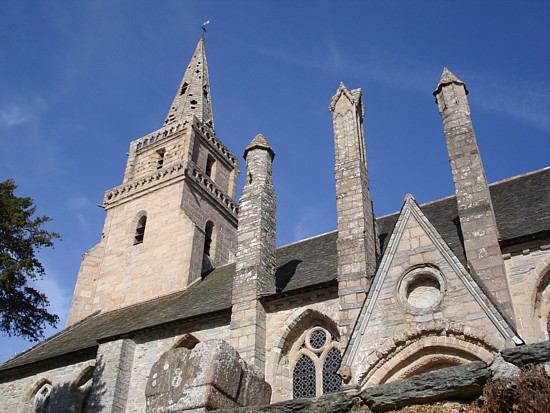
x,y
23,309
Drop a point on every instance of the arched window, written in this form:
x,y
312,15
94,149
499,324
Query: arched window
x,y
542,306
208,237
317,358
41,402
140,230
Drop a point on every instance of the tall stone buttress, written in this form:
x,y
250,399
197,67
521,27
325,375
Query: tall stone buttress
x,y
356,244
174,217
255,268
475,207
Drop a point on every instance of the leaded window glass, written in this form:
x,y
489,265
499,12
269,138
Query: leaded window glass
x,y
318,360
331,379
304,378
317,339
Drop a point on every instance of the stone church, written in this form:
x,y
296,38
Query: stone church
x,y
185,303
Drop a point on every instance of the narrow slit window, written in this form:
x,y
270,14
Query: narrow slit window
x,y
210,161
184,88
208,237
160,159
140,230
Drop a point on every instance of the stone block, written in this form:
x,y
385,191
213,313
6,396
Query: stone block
x,y
525,355
463,382
210,376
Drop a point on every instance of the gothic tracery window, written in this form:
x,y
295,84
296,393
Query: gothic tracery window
x,y
317,361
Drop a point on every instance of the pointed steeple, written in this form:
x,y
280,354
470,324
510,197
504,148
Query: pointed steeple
x,y
193,95
447,77
259,142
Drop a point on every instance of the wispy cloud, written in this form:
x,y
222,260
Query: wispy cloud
x,y
58,295
529,105
15,115
305,227
79,205
336,59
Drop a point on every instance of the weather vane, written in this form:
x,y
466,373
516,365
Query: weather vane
x,y
204,25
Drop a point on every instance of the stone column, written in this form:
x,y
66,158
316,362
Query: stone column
x,y
356,244
112,376
255,266
475,208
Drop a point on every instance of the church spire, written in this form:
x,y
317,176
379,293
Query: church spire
x,y
193,95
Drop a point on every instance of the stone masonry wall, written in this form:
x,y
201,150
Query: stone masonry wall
x,y
356,229
255,266
452,329
112,376
86,283
150,346
130,273
283,315
475,208
528,273
17,391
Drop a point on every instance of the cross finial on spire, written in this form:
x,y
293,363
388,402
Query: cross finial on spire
x,y
204,23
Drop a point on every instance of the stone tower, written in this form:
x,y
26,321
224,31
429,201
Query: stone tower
x,y
255,271
356,242
475,207
174,217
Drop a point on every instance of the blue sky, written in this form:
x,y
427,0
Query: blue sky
x,y
80,80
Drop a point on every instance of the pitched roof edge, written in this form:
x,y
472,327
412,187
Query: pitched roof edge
x,y
307,239
502,181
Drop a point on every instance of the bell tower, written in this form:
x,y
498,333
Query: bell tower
x,y
174,217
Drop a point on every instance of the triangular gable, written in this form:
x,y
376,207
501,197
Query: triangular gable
x,y
412,214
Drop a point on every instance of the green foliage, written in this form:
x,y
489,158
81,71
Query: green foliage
x,y
23,309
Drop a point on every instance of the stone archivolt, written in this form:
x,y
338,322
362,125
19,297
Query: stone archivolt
x,y
441,336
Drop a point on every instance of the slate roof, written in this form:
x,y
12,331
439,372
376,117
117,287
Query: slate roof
x,y
522,207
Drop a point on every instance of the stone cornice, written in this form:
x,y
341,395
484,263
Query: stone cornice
x,y
159,134
161,178
208,186
210,138
129,190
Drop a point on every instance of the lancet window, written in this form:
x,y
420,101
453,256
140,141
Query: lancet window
x,y
209,170
140,230
208,237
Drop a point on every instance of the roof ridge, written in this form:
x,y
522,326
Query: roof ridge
x,y
306,239
490,185
520,176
